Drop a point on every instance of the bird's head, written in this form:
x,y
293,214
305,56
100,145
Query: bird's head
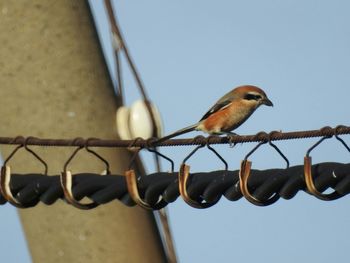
x,y
252,96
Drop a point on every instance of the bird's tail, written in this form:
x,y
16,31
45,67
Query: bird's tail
x,y
179,132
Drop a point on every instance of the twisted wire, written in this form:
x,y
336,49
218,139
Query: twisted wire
x,y
30,189
199,140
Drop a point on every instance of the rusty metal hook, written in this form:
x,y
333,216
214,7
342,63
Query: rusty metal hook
x,y
66,177
336,134
151,148
308,173
131,180
244,173
5,175
184,174
107,171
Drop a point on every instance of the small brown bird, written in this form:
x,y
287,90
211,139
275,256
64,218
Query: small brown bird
x,y
228,113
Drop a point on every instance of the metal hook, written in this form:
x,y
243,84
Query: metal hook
x,y
184,174
277,149
5,175
308,173
336,134
66,177
107,170
164,157
244,173
34,154
131,181
151,148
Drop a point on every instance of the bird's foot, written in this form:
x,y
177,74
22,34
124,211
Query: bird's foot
x,y
230,139
229,136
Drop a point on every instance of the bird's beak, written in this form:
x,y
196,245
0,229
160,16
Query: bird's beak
x,y
267,102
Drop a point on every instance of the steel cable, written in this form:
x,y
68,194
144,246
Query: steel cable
x,y
199,140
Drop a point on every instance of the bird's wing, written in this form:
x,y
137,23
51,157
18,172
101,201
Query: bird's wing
x,y
220,105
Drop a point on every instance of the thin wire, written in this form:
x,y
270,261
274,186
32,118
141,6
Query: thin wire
x,y
122,47
117,34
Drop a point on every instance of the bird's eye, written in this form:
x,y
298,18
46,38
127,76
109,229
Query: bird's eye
x,y
250,96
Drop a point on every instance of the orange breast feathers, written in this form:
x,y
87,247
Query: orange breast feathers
x,y
227,119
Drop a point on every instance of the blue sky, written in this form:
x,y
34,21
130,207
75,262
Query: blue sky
x,y
189,54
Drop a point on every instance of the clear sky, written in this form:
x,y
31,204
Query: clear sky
x,y
189,54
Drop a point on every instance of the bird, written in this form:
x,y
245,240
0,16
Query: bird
x,y
228,113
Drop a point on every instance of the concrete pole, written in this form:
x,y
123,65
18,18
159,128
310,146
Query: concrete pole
x,y
54,83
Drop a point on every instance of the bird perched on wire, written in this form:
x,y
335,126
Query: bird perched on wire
x,y
228,113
